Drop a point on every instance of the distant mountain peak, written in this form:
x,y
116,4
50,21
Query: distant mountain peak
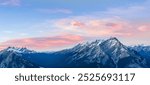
x,y
19,50
110,42
114,39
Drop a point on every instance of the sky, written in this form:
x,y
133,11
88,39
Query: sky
x,y
46,25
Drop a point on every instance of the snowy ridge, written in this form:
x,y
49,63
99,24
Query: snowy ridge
x,y
19,50
142,50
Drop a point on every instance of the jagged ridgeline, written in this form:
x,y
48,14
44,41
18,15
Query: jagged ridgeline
x,y
110,53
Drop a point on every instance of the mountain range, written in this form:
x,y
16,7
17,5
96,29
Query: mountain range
x,y
110,53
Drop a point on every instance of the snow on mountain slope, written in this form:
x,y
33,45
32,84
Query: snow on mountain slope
x,y
19,50
107,53
142,50
12,59
115,49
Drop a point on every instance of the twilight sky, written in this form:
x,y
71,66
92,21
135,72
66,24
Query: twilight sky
x,y
56,24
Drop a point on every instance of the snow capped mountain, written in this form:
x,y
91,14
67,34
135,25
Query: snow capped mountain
x,y
110,53
141,49
10,59
107,53
19,50
88,53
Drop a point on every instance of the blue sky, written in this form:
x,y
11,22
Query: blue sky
x,y
52,21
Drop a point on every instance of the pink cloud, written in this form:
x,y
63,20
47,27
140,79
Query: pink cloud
x,y
114,25
95,27
10,2
44,43
144,28
106,27
77,23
